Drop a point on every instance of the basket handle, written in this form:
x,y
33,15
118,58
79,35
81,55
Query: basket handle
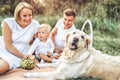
x,y
91,30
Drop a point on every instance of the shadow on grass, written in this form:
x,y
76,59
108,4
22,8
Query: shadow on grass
x,y
83,78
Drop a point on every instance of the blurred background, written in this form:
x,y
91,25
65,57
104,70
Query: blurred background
x,y
104,15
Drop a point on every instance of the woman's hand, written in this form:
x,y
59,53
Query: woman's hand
x,y
29,57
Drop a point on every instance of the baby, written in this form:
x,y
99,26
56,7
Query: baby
x,y
43,45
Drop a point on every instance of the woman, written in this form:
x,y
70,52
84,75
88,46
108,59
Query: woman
x,y
16,35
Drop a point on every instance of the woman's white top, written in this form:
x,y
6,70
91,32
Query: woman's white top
x,y
41,47
60,37
20,37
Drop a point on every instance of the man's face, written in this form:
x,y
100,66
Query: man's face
x,y
68,21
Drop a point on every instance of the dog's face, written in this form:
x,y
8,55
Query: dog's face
x,y
77,40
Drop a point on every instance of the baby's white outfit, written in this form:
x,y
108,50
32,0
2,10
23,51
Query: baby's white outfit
x,y
41,48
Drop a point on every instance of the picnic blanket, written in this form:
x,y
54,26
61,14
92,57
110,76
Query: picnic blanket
x,y
17,74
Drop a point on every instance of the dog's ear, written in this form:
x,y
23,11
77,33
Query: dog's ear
x,y
88,42
67,39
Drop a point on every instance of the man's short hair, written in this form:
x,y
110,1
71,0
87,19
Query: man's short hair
x,y
70,12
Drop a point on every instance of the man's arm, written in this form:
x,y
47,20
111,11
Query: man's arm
x,y
52,35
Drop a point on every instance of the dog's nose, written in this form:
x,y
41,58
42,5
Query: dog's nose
x,y
73,43
75,39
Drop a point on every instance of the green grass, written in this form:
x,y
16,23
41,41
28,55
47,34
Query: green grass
x,y
0,30
106,43
83,78
47,19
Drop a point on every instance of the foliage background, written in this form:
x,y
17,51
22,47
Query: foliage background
x,y
104,15
99,12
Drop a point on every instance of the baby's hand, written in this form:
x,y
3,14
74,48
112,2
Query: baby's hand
x,y
49,54
57,56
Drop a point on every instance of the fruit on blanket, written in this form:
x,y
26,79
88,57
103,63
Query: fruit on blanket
x,y
27,64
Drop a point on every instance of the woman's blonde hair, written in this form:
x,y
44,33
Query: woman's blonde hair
x,y
20,7
47,26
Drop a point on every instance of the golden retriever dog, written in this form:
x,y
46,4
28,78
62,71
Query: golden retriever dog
x,y
80,59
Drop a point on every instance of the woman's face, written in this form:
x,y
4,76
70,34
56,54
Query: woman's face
x,y
25,17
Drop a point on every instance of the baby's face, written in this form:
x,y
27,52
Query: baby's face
x,y
43,34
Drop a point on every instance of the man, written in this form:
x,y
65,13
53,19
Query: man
x,y
63,27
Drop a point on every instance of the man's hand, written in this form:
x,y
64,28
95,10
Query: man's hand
x,y
57,50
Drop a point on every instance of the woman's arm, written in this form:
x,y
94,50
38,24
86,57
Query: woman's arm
x,y
7,37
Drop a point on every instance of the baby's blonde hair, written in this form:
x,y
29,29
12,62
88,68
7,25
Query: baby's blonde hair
x,y
47,26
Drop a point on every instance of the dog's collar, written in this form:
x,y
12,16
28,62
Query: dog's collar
x,y
80,58
83,57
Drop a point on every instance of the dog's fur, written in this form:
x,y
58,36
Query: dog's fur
x,y
80,59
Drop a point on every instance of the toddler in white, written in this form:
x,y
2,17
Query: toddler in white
x,y
43,45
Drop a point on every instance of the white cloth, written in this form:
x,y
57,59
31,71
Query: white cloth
x,y
20,37
60,37
41,47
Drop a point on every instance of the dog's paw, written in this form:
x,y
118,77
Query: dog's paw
x,y
29,75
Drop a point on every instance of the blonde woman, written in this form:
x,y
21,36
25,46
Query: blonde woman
x,y
16,35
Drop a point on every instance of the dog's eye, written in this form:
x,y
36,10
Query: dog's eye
x,y
82,37
74,32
